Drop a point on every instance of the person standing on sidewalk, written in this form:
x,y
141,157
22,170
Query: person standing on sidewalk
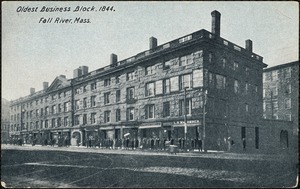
x,y
200,145
244,144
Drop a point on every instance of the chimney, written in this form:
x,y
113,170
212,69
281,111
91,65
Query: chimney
x,y
113,59
63,76
45,85
84,69
77,72
216,23
248,45
32,91
152,42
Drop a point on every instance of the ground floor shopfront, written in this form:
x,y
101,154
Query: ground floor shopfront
x,y
215,135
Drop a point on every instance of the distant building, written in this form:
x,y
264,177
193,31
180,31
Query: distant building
x,y
5,125
155,94
281,93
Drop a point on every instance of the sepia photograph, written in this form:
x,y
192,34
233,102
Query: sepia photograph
x,y
149,94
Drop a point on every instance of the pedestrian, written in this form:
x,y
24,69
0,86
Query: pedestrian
x,y
165,140
200,145
90,141
180,143
152,143
244,144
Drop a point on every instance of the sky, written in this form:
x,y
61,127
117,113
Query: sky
x,y
34,52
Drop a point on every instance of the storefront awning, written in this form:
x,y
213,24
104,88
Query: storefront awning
x,y
149,126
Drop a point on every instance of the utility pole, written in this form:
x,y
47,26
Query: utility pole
x,y
185,119
204,113
272,108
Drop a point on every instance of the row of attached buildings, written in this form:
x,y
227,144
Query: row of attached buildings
x,y
199,86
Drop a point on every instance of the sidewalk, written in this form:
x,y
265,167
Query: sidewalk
x,y
209,154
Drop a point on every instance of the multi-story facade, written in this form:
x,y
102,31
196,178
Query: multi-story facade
x,y
159,93
281,93
5,125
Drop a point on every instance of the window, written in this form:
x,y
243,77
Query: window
x,y
246,107
93,86
76,104
185,60
224,62
37,112
106,116
198,78
118,95
236,87
149,111
58,122
84,102
167,65
210,57
187,38
53,124
118,77
130,93
256,137
187,106
41,102
54,109
47,110
256,88
246,87
185,81
267,76
130,114
130,76
274,75
287,103
166,109
150,89
247,71
211,80
118,115
42,111
287,72
46,123
93,118
235,66
36,125
66,107
53,97
59,107
66,121
36,102
174,83
77,119
84,88
65,93
84,119
221,81
150,70
166,86
93,101
288,88
106,98
107,82
274,91
77,91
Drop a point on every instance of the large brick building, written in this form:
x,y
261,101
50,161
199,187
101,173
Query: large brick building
x,y
155,94
5,125
281,94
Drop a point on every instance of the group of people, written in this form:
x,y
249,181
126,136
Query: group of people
x,y
144,143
